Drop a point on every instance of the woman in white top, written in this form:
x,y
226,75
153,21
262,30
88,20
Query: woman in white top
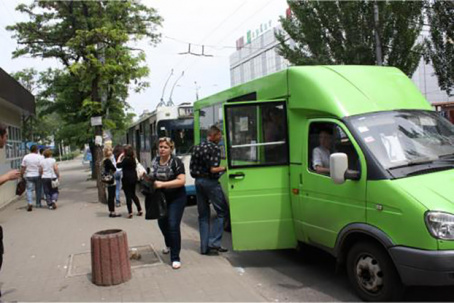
x,y
49,172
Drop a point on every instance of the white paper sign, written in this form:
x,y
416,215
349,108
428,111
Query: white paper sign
x,y
244,124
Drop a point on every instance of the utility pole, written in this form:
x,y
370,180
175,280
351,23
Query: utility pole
x,y
98,96
378,51
170,102
196,90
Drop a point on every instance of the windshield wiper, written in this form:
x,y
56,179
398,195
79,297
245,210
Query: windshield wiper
x,y
447,157
415,162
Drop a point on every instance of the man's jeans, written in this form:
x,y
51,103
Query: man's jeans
x,y
34,183
209,190
118,175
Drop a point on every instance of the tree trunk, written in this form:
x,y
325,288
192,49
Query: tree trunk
x,y
98,156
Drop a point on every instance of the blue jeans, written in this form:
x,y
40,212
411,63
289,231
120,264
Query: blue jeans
x,y
209,190
34,183
118,176
51,193
170,225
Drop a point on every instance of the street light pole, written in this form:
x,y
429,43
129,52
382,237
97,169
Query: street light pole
x,y
162,103
170,103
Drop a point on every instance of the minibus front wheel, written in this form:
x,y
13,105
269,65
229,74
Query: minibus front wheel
x,y
372,273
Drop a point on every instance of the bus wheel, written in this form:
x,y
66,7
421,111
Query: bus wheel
x,y
372,273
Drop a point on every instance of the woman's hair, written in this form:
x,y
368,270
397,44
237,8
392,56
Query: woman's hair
x,y
129,151
47,153
107,152
117,151
168,141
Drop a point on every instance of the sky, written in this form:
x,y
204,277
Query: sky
x,y
216,24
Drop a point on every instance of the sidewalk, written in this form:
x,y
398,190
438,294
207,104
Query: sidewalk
x,y
39,246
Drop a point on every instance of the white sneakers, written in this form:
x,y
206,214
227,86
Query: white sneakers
x,y
176,264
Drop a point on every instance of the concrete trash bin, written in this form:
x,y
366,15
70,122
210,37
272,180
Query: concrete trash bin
x,y
110,257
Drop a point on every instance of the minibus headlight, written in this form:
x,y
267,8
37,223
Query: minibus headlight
x,y
440,225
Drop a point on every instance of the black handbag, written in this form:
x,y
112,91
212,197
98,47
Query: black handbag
x,y
20,187
106,177
155,205
146,187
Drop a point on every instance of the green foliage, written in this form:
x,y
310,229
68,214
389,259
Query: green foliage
x,y
343,32
440,46
92,40
42,126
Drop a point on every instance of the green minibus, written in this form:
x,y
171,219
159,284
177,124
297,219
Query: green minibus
x,y
349,159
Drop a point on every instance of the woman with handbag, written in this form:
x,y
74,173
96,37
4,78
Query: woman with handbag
x,y
107,178
127,162
50,178
169,175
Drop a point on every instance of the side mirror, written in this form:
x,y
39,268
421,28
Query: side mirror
x,y
338,164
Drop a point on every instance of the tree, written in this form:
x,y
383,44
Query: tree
x,y
93,42
42,126
440,46
343,32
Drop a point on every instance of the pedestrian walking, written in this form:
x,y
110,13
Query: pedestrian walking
x,y
41,154
205,168
169,175
127,162
30,169
117,151
11,175
109,169
49,172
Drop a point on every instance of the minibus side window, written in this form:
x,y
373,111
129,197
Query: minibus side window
x,y
257,135
325,139
211,115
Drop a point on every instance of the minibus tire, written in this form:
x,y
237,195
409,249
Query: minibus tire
x,y
372,273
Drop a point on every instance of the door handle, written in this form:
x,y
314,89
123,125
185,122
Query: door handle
x,y
237,176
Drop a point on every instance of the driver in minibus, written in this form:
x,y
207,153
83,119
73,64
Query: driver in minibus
x,y
320,154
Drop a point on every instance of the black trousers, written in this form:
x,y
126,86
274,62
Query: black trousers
x,y
130,193
111,198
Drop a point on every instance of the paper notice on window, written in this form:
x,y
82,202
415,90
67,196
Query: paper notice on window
x,y
393,148
427,121
369,139
363,129
244,124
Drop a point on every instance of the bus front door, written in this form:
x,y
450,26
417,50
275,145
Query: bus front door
x,y
258,175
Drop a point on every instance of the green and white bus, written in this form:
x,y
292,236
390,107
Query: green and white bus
x,y
384,208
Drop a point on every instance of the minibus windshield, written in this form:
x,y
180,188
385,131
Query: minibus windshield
x,y
406,138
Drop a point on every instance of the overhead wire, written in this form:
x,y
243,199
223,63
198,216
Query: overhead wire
x,y
232,31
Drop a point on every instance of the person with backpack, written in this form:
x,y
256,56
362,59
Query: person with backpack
x,y
205,169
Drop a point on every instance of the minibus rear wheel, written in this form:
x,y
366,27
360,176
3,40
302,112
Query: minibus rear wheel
x,y
372,273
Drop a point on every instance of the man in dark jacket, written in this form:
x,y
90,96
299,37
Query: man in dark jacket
x,y
11,175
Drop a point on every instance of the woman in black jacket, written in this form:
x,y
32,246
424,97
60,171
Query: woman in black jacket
x,y
127,162
109,168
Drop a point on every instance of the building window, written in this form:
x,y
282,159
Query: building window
x,y
15,149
